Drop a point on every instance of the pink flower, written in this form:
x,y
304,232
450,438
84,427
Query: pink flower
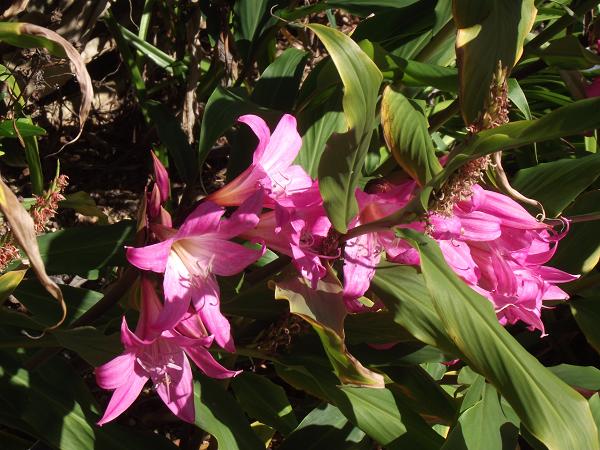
x,y
499,250
271,167
363,253
159,357
191,257
299,228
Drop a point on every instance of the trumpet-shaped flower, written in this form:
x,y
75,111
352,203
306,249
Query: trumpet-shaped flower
x,y
363,253
191,257
299,228
500,250
271,167
162,358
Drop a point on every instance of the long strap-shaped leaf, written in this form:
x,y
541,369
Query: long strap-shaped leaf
x,y
569,120
342,161
553,412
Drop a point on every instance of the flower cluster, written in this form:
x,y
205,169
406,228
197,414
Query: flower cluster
x,y
489,240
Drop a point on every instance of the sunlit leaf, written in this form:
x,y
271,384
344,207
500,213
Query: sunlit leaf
x,y
341,163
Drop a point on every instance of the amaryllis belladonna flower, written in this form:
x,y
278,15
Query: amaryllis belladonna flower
x,y
271,168
162,358
191,257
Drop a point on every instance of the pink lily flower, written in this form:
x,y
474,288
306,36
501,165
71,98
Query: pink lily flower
x,y
363,253
299,228
191,257
271,167
159,357
500,251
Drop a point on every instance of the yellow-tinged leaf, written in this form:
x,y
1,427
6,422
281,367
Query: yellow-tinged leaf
x,y
9,281
21,225
324,309
488,32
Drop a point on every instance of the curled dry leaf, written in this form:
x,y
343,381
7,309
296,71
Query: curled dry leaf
x,y
77,63
15,8
22,228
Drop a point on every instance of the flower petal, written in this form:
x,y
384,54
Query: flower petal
x,y
116,372
240,188
282,148
129,340
177,288
206,302
244,218
207,364
204,219
219,256
262,132
150,310
361,258
152,257
162,178
123,397
178,393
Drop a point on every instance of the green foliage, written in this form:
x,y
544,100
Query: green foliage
x,y
381,90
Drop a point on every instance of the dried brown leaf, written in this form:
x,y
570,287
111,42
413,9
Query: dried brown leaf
x,y
77,64
15,8
22,228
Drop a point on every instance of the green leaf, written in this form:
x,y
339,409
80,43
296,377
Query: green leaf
x,y
219,414
221,112
342,161
324,309
55,406
9,282
594,402
383,416
157,56
381,413
265,401
403,291
423,393
579,251
374,328
84,204
174,139
517,96
91,344
568,53
81,251
44,312
553,412
568,120
556,184
278,85
587,314
483,424
325,427
488,32
406,135
317,123
24,127
587,377
411,73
